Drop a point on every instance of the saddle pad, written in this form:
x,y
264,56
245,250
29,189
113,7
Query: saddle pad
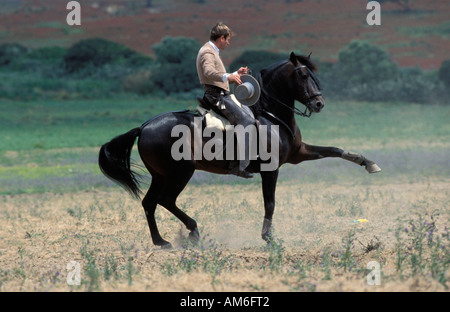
x,y
214,120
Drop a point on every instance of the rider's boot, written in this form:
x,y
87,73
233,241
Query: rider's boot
x,y
237,116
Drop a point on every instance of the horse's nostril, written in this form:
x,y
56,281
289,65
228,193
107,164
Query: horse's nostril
x,y
319,105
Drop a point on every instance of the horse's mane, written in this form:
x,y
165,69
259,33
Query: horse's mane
x,y
305,60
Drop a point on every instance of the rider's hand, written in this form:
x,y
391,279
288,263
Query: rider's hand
x,y
243,70
235,78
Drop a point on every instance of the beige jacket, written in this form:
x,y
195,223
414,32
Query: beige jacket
x,y
210,68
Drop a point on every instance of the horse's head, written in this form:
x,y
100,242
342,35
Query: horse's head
x,y
304,83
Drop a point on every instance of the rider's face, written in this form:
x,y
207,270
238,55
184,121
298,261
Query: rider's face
x,y
223,42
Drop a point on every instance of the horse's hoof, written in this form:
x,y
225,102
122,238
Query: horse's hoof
x,y
266,232
166,245
194,236
267,237
372,168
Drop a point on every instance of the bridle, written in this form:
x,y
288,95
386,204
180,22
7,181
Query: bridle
x,y
294,109
306,93
307,113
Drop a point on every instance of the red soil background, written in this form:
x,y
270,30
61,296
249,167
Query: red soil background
x,y
415,38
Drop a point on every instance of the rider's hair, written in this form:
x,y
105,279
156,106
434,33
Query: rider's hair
x,y
219,30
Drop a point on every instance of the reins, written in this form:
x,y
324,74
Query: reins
x,y
307,113
294,109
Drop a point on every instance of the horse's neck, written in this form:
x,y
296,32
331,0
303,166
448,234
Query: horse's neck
x,y
276,101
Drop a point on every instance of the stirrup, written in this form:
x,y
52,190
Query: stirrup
x,y
243,174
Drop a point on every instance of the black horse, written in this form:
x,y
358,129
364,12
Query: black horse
x,y
281,85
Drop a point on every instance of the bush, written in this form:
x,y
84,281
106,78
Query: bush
x,y
416,85
444,73
11,51
365,72
139,83
411,85
93,67
176,65
90,54
47,62
47,54
361,62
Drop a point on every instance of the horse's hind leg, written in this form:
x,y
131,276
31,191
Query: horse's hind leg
x,y
164,191
149,203
173,186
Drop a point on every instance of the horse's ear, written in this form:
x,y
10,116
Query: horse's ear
x,y
309,56
293,58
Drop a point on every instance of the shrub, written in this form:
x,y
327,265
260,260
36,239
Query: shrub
x,y
93,53
139,83
47,62
444,73
361,62
47,54
176,64
416,85
365,72
11,51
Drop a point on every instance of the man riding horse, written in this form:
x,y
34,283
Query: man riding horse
x,y
281,84
216,82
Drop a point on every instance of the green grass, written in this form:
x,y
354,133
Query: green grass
x,y
53,145
379,124
86,123
82,123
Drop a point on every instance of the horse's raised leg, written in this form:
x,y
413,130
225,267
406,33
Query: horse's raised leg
x,y
359,159
312,152
269,183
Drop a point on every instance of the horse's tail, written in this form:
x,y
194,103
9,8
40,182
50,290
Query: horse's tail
x,y
114,161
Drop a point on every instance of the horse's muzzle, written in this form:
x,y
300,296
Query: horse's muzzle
x,y
317,104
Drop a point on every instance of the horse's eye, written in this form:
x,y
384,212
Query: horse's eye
x,y
302,71
303,74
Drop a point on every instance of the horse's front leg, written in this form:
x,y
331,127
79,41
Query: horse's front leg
x,y
269,183
311,152
359,159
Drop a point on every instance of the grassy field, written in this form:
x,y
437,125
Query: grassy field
x,y
56,207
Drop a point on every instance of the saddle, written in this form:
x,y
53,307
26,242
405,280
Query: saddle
x,y
215,120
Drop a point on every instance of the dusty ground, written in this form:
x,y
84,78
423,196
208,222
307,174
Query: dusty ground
x,y
106,231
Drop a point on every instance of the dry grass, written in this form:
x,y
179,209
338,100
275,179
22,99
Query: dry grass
x,y
107,234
